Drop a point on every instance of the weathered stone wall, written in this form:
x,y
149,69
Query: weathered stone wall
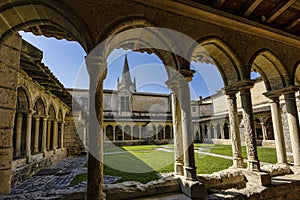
x,y
75,135
9,67
151,103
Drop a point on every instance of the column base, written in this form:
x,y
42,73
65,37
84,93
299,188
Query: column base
x,y
253,165
258,178
178,169
190,173
238,163
193,189
295,169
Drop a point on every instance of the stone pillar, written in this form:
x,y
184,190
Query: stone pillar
x,y
250,140
278,130
44,137
36,134
114,134
9,67
62,127
293,123
264,130
235,135
55,135
222,132
19,134
49,134
28,132
187,132
97,70
178,145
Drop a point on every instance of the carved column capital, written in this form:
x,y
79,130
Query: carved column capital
x,y
188,74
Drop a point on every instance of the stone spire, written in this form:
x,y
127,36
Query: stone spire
x,y
126,81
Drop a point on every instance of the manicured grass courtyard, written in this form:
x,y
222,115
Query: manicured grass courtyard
x,y
144,163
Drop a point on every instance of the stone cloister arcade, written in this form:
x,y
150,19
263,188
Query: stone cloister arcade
x,y
236,45
38,129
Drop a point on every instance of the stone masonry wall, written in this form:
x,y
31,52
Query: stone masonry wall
x,y
73,137
9,67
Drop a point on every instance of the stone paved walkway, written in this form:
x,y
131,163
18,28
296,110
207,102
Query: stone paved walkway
x,y
54,182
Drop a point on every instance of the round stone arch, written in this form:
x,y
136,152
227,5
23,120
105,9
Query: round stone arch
x,y
271,69
296,74
40,106
112,37
39,16
24,98
213,50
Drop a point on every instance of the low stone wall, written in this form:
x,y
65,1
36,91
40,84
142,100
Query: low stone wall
x,y
24,168
130,189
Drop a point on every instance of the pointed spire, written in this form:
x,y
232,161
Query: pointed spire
x,y
126,78
125,81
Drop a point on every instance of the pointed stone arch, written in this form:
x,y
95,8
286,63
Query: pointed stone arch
x,y
215,51
271,69
52,112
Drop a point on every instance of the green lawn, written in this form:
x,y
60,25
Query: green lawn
x,y
264,154
144,163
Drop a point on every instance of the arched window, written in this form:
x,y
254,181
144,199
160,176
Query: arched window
x,y
109,133
168,132
226,131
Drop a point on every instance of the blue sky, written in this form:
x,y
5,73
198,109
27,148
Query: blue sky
x,y
66,61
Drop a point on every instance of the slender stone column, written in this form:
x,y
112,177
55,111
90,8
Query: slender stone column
x,y
178,145
186,122
114,134
264,130
62,127
278,130
97,70
55,135
250,140
235,135
49,134
19,134
36,134
28,132
222,132
293,122
249,130
44,135
209,135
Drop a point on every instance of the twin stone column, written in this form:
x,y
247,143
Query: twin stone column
x,y
182,125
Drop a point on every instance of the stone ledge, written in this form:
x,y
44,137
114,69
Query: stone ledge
x,y
193,189
258,178
223,179
276,169
131,189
